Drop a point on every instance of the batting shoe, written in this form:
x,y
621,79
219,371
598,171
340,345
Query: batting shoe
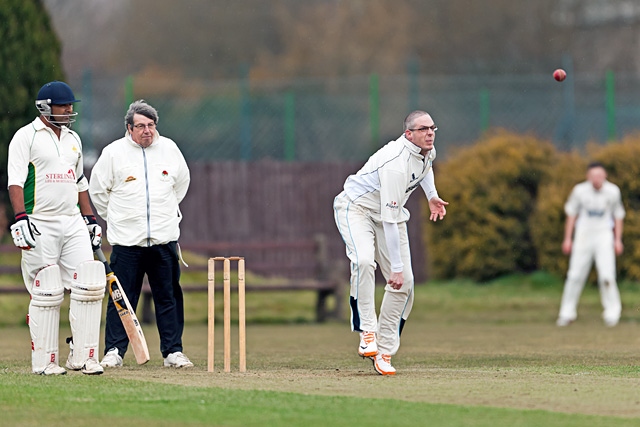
x,y
53,369
177,360
382,364
92,367
112,359
368,346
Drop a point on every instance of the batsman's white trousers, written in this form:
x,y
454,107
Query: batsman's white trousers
x,y
366,245
63,240
587,247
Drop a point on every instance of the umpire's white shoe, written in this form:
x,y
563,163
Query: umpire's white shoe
x,y
112,359
177,360
368,345
92,367
382,364
53,369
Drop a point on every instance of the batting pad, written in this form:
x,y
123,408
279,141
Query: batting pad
x,y
85,308
47,294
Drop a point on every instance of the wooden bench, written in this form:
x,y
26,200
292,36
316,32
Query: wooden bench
x,y
300,265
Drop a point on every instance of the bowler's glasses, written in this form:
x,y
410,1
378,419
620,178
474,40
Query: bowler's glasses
x,y
139,126
425,128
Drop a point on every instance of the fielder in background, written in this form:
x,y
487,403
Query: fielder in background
x,y
371,218
56,230
136,186
595,210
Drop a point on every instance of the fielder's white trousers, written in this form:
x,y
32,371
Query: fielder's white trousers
x,y
63,240
366,247
587,248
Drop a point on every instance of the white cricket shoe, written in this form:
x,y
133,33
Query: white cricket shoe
x,y
112,359
177,360
611,322
368,346
382,364
92,367
563,321
53,369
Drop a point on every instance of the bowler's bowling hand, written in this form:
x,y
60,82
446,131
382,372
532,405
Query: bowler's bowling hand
x,y
437,208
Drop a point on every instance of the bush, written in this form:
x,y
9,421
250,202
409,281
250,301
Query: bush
x,y
492,189
507,195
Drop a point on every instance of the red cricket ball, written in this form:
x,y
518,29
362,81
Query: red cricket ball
x,y
559,74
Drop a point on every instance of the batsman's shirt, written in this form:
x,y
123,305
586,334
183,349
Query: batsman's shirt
x,y
596,209
383,185
50,170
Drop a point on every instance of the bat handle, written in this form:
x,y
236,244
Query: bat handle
x,y
98,252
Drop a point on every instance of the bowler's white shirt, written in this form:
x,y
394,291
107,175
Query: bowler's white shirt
x,y
385,182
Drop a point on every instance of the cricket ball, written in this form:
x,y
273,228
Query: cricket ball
x,y
559,74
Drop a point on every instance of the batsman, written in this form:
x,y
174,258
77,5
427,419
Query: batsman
x,y
372,220
56,229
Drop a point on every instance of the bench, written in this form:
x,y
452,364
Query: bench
x,y
296,265
300,265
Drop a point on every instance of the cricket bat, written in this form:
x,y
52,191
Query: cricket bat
x,y
126,312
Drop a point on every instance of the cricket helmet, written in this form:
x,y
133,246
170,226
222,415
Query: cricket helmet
x,y
56,93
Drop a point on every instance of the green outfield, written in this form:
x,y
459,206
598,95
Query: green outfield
x,y
472,355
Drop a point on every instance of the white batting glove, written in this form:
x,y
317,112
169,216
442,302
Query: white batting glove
x,y
95,231
22,232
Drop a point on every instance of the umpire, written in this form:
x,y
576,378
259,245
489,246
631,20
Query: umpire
x,y
136,186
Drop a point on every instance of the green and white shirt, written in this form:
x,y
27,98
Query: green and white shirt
x,y
50,170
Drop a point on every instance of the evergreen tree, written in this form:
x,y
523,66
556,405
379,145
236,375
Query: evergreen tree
x,y
29,57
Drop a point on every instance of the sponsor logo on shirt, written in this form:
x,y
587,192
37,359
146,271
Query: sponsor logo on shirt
x,y
165,175
130,178
592,213
61,178
392,205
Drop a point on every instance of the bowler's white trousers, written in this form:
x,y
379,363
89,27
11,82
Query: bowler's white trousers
x,y
587,247
366,245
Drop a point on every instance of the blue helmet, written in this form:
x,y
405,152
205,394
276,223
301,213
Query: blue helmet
x,y
56,93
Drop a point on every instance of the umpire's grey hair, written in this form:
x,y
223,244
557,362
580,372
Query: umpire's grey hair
x,y
140,107
411,118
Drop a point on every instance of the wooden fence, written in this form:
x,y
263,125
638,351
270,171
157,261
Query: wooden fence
x,y
277,201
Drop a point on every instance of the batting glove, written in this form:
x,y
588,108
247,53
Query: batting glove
x,y
95,231
23,232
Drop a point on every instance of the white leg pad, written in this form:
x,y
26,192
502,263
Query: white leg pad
x,y
85,309
47,294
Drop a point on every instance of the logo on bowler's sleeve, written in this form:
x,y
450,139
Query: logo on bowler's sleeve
x,y
130,178
392,205
165,175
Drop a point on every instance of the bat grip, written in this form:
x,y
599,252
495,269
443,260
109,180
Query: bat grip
x,y
98,252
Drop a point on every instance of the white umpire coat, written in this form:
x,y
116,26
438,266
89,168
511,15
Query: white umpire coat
x,y
137,191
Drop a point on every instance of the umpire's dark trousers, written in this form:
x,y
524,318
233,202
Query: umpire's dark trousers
x,y
161,265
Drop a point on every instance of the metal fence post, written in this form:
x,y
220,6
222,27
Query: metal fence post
x,y
289,126
374,110
128,92
610,104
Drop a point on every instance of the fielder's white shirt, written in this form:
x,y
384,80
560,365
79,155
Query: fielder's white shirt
x,y
596,209
137,191
50,170
385,182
